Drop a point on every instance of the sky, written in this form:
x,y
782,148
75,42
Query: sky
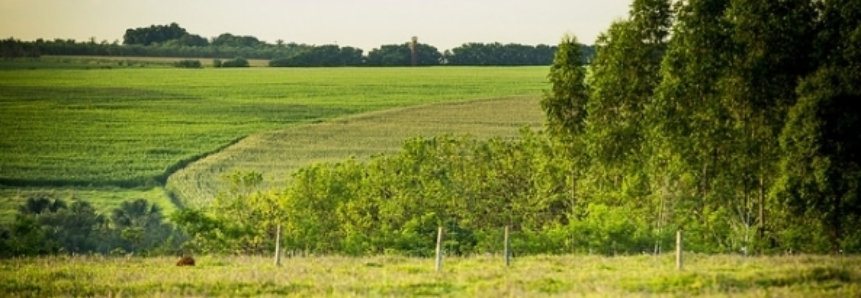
x,y
365,24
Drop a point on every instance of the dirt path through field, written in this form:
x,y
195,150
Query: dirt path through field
x,y
276,154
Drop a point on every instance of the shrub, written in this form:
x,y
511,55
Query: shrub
x,y
216,63
236,62
188,64
282,62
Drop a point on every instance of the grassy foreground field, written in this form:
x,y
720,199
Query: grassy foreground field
x,y
392,276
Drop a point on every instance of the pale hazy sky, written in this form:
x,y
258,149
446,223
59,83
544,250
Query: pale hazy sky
x,y
366,24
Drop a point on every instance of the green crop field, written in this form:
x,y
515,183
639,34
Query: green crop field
x,y
78,131
131,127
392,276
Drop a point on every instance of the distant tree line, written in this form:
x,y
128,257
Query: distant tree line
x,y
155,34
174,41
326,55
499,54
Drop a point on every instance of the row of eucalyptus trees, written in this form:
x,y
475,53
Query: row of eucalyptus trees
x,y
731,119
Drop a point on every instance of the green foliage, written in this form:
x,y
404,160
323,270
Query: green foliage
x,y
13,48
399,55
48,226
26,237
326,55
565,104
613,136
153,34
821,165
394,204
141,225
474,53
41,204
230,40
188,64
610,232
206,233
235,62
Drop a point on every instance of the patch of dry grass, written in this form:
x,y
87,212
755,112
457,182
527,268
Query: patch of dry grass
x,y
394,276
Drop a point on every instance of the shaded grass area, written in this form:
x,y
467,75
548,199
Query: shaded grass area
x,y
486,276
276,154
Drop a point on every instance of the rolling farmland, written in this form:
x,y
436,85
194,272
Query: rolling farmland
x,y
108,135
74,131
280,152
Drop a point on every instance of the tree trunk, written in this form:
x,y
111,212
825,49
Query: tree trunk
x,y
760,233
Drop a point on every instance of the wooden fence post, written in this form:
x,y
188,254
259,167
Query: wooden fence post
x,y
439,250
278,246
679,250
507,247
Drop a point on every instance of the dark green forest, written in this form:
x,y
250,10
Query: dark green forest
x,y
46,225
735,121
174,41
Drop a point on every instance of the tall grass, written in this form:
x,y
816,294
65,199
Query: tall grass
x,y
392,276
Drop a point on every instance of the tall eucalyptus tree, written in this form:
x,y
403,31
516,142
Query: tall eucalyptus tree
x,y
625,73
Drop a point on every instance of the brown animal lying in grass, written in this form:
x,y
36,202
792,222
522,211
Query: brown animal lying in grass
x,y
185,261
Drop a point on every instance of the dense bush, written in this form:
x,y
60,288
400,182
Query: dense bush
x,y
235,62
282,62
46,225
188,64
394,204
326,55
